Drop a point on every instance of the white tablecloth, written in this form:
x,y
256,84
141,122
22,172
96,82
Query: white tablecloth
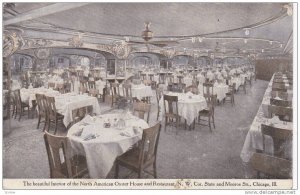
x,y
109,143
219,89
66,103
139,91
28,95
187,108
254,138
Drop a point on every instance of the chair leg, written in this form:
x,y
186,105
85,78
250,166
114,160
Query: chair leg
x,y
117,171
39,122
140,173
55,127
213,119
44,128
209,124
20,114
166,123
154,169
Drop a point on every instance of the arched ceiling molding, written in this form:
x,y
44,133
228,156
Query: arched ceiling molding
x,y
28,43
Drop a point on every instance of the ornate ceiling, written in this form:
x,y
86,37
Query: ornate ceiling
x,y
199,28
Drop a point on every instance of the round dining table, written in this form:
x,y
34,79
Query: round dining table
x,y
101,139
189,105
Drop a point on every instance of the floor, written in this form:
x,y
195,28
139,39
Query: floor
x,y
189,154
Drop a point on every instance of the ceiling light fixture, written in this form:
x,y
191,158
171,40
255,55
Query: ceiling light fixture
x,y
281,45
245,41
262,51
247,31
200,39
271,42
193,39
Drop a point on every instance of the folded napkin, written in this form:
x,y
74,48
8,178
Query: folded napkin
x,y
128,133
88,119
277,98
89,137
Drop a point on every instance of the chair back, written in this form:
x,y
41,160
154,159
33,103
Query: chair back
x,y
149,145
208,89
41,103
127,91
58,156
279,85
142,108
67,87
282,103
279,136
115,91
93,92
172,104
92,84
51,108
51,85
282,112
279,89
17,95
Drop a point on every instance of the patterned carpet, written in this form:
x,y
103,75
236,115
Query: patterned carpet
x,y
190,154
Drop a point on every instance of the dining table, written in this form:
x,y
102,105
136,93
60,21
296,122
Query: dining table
x,y
254,137
66,103
29,95
102,138
189,105
219,89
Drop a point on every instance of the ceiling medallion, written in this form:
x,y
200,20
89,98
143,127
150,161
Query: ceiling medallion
x,y
76,41
121,50
11,43
43,53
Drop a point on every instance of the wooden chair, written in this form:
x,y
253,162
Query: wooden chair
x,y
115,93
42,109
151,77
14,104
144,156
60,87
279,94
279,136
209,112
283,103
143,76
159,94
208,89
51,85
243,86
62,164
53,115
284,113
93,92
20,106
171,112
92,84
230,94
142,109
127,92
279,86
67,87
271,166
83,89
279,89
180,78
